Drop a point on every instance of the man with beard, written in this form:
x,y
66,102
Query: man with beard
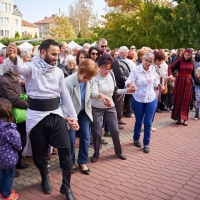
x,y
45,123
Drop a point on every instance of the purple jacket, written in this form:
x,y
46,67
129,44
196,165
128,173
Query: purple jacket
x,y
10,143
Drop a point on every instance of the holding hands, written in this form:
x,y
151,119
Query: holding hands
x,y
106,100
11,51
131,88
72,123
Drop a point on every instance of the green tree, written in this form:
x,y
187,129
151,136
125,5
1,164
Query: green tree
x,y
17,36
61,28
82,17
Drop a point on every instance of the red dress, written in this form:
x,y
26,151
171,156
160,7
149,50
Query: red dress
x,y
182,88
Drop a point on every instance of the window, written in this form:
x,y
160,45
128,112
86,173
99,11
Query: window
x,y
16,21
3,6
1,20
1,33
6,32
9,7
6,19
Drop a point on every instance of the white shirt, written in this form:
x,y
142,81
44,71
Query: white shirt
x,y
45,85
145,82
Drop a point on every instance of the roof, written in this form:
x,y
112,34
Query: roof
x,y
46,20
25,23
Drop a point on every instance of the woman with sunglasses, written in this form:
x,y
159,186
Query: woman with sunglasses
x,y
144,101
94,53
105,83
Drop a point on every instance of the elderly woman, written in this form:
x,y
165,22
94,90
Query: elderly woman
x,y
10,89
25,55
183,86
105,84
69,66
144,101
80,86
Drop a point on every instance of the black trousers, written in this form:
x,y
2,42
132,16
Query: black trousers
x,y
127,104
51,130
21,128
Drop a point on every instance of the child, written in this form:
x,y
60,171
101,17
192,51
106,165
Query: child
x,y
10,143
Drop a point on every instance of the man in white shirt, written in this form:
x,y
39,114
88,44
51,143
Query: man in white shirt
x,y
45,123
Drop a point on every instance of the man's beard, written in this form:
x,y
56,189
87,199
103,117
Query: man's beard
x,y
48,60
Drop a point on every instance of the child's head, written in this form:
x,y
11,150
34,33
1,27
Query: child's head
x,y
6,113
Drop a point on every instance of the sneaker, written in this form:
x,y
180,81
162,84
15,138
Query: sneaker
x,y
12,192
103,142
153,129
146,149
168,110
195,118
11,197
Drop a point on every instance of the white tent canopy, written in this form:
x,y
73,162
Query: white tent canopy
x,y
1,46
94,44
73,44
25,45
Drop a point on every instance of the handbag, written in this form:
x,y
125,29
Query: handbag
x,y
20,113
115,96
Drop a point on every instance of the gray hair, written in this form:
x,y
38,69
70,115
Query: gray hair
x,y
24,53
6,66
149,54
70,58
123,49
3,52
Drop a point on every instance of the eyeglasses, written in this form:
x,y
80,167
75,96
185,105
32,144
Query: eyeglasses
x,y
102,46
107,70
149,61
94,53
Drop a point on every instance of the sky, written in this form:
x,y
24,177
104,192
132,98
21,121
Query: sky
x,y
34,11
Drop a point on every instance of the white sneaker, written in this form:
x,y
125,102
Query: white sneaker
x,y
153,129
195,118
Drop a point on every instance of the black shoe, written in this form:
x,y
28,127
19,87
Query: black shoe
x,y
137,144
94,158
103,142
87,171
17,174
129,115
46,187
22,165
146,149
158,110
121,156
121,123
121,127
74,170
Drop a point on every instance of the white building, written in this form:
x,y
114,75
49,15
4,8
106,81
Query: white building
x,y
10,19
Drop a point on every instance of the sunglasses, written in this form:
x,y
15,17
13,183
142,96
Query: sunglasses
x,y
132,48
94,54
103,46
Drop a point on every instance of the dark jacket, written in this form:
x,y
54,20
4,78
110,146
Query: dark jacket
x,y
121,71
10,89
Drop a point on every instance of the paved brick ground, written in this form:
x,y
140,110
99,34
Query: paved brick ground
x,y
170,171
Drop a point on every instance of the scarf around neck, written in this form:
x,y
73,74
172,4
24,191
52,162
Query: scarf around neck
x,y
43,66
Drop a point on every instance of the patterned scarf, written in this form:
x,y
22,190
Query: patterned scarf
x,y
43,66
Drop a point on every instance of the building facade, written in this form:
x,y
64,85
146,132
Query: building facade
x,y
44,25
29,29
10,19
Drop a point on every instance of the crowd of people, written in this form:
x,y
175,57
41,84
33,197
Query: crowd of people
x,y
76,93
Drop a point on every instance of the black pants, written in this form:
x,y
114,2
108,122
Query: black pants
x,y
51,130
21,128
127,104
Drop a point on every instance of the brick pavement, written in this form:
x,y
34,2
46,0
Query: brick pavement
x,y
170,171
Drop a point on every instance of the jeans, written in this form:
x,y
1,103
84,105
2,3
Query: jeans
x,y
143,112
6,181
83,131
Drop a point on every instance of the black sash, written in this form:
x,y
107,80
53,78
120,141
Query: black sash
x,y
44,104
